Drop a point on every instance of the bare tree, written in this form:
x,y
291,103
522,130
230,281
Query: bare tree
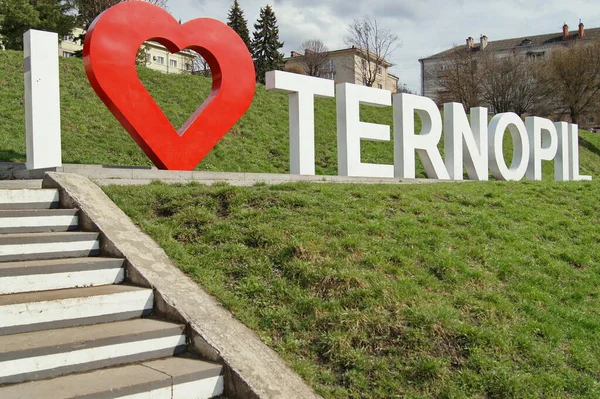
x,y
459,80
88,10
403,88
509,84
526,94
141,58
315,57
571,76
297,69
200,66
375,43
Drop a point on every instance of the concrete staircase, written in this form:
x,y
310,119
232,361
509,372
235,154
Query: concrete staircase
x,y
71,326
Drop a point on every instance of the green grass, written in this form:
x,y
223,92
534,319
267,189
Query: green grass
x,y
258,143
465,290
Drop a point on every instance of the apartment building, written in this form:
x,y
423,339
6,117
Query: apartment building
x,y
347,66
535,48
157,56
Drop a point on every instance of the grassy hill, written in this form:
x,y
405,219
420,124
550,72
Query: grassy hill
x,y
258,143
452,290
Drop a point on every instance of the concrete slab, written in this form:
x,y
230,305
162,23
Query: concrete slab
x,y
45,354
44,238
110,383
90,383
57,274
141,175
46,310
32,246
20,184
254,370
38,220
55,341
218,176
15,197
57,295
53,266
155,174
185,369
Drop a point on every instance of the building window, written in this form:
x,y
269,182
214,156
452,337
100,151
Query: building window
x,y
328,65
363,63
379,70
159,60
66,54
148,57
379,86
445,67
68,38
173,63
188,67
328,75
536,56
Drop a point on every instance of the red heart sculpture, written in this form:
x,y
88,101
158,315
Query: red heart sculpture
x,y
109,54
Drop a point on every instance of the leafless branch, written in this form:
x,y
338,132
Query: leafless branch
x,y
315,57
375,43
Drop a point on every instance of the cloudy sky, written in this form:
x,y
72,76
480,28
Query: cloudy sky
x,y
425,27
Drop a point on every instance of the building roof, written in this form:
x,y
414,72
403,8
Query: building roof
x,y
352,49
521,42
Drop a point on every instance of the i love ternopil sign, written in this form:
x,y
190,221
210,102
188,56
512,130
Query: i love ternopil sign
x,y
110,50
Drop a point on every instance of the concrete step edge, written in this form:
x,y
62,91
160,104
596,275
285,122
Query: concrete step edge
x,y
38,220
46,237
27,198
45,354
32,246
181,374
53,266
47,310
36,212
59,274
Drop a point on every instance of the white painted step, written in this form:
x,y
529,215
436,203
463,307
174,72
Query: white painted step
x,y
35,311
30,246
28,198
171,378
55,274
45,354
19,184
38,220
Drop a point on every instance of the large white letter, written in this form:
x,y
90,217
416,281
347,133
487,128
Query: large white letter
x,y
574,150
351,130
303,90
465,143
42,99
425,143
542,146
515,125
561,161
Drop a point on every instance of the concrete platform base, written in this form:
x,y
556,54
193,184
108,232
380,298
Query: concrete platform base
x,y
121,175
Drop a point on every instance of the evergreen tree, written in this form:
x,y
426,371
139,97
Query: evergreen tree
x,y
266,44
237,22
18,16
